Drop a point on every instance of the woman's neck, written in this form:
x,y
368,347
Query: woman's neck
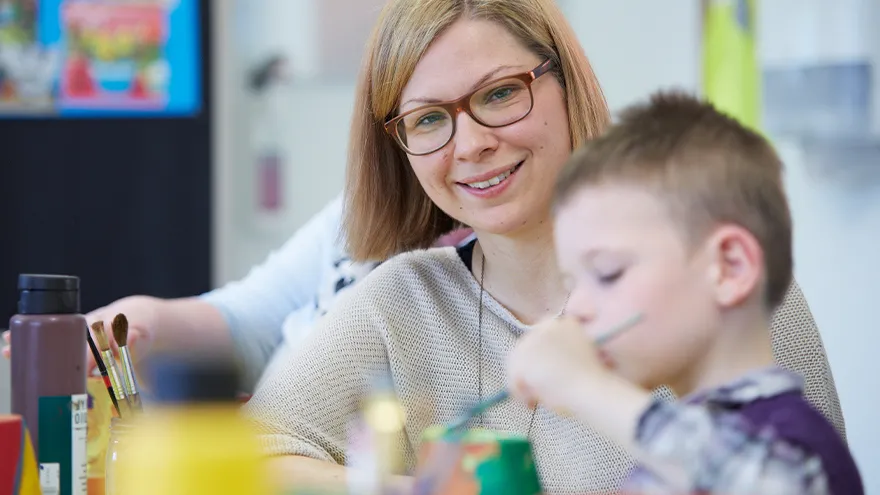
x,y
521,273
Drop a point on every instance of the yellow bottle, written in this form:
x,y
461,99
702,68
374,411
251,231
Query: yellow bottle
x,y
194,441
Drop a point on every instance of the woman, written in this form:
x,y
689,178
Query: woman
x,y
442,320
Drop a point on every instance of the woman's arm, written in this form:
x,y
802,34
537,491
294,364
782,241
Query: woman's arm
x,y
305,406
246,314
305,473
255,307
176,323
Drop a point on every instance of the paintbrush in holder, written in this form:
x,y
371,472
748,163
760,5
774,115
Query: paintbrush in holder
x,y
120,333
99,362
112,369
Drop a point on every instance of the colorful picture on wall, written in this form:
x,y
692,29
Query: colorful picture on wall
x,y
27,69
99,57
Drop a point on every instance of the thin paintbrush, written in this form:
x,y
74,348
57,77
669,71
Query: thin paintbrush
x,y
110,363
103,369
120,333
503,395
619,329
455,431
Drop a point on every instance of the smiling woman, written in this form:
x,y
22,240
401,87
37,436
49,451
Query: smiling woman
x,y
466,111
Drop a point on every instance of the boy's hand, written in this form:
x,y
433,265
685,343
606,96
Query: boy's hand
x,y
552,363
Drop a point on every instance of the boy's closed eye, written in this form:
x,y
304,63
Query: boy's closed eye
x,y
608,277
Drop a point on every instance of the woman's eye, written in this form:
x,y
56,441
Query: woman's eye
x,y
430,119
501,94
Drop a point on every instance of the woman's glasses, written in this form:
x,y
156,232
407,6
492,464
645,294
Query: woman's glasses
x,y
498,103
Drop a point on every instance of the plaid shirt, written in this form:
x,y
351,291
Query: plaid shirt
x,y
706,445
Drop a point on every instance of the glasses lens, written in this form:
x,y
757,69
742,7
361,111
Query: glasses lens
x,y
502,103
426,130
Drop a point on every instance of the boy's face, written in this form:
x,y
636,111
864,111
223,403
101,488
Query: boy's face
x,y
622,254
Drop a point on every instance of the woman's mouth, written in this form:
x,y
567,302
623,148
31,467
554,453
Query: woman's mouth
x,y
492,184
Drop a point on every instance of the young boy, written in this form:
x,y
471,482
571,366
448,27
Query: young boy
x,y
677,216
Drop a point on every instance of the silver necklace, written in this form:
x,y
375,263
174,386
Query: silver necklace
x,y
480,358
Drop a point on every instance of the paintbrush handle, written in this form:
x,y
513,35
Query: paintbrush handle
x,y
619,329
103,369
479,409
136,402
503,394
131,388
490,401
113,372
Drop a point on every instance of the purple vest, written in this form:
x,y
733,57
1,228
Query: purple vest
x,y
795,420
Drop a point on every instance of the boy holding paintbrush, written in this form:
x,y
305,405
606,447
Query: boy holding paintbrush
x,y
678,214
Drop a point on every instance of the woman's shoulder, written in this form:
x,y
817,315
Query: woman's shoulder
x,y
415,283
438,270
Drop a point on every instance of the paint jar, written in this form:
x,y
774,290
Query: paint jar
x,y
483,462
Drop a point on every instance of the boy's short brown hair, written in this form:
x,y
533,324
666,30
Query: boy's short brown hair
x,y
707,167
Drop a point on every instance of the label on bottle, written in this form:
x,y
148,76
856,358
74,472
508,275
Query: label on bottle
x,y
50,478
63,424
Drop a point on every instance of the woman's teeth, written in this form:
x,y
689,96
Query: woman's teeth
x,y
494,181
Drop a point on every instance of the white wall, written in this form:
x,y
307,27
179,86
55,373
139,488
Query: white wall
x,y
638,46
837,234
313,117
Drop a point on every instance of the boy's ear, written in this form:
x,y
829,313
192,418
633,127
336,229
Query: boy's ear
x,y
736,271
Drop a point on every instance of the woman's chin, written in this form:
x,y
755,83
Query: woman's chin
x,y
506,225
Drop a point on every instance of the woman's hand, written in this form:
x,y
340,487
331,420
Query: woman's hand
x,y
142,313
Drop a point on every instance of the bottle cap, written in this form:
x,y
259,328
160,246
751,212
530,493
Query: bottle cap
x,y
40,294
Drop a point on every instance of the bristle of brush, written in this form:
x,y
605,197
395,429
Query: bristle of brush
x,y
120,329
100,335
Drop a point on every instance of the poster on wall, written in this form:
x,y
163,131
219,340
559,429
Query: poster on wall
x,y
62,58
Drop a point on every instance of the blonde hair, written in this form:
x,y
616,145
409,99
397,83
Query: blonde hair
x,y
705,166
386,210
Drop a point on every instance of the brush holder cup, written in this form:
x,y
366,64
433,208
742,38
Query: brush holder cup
x,y
120,431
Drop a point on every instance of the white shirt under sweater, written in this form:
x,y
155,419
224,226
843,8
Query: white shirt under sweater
x,y
417,316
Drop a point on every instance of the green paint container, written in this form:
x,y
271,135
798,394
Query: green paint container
x,y
482,462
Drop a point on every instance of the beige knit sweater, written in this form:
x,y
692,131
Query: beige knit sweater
x,y
416,315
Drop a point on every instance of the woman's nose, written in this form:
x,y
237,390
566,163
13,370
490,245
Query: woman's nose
x,y
472,139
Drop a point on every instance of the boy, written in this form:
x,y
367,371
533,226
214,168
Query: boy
x,y
677,215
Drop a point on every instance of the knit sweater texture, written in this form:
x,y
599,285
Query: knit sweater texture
x,y
416,316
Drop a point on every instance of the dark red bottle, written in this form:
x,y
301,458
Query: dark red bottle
x,y
48,341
